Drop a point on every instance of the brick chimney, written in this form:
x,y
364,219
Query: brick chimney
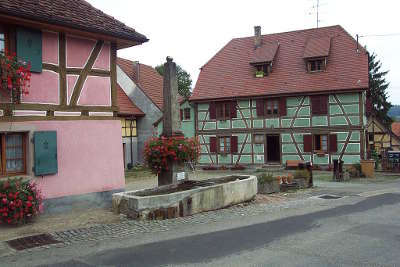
x,y
257,36
136,69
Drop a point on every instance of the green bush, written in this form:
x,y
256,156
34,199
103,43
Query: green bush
x,y
265,178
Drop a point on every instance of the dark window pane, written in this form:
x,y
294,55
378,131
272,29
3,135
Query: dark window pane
x,y
317,142
2,42
14,153
187,113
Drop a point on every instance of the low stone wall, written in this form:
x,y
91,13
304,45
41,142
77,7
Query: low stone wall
x,y
173,201
268,187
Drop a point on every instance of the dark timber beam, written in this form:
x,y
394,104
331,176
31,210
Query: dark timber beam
x,y
85,72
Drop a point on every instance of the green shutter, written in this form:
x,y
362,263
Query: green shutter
x,y
45,152
29,47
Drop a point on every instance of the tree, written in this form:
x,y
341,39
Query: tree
x,y
377,90
184,80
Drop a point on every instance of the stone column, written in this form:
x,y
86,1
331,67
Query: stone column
x,y
171,118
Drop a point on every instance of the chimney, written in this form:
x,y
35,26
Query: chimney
x,y
136,69
257,36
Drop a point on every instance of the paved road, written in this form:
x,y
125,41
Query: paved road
x,y
373,242
358,230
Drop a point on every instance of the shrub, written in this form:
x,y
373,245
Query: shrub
x,y
20,201
158,151
355,170
302,174
265,178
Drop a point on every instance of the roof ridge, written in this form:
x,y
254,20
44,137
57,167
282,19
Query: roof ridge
x,y
294,31
139,84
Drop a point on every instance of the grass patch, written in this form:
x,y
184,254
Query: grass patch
x,y
325,176
138,173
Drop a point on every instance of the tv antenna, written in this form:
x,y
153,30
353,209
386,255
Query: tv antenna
x,y
316,6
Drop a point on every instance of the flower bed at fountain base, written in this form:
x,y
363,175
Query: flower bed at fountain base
x,y
185,198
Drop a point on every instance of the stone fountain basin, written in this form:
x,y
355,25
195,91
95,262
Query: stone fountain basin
x,y
186,197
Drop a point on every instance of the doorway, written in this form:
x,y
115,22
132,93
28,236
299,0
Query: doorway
x,y
272,149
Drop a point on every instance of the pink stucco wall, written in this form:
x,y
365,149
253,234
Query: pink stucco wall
x,y
103,60
96,91
50,47
44,88
89,157
78,51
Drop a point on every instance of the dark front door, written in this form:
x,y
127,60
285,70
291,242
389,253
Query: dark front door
x,y
272,148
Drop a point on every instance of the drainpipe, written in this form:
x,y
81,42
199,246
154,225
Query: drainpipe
x,y
131,141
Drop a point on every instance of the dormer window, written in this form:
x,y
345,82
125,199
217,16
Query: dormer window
x,y
315,65
261,70
263,58
316,53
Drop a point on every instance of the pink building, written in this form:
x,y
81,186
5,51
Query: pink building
x,y
65,134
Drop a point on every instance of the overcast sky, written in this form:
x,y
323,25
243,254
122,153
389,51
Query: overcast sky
x,y
192,31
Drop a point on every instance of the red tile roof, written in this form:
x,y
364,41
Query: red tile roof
x,y
317,47
396,128
265,53
228,74
77,14
125,104
149,81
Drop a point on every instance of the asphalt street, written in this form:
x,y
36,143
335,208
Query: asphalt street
x,y
258,238
362,228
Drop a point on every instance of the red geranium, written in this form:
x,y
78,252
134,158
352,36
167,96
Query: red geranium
x,y
15,77
158,151
20,201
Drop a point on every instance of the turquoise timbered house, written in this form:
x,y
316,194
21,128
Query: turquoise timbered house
x,y
272,98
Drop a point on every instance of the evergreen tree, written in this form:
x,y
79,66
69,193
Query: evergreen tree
x,y
377,90
184,80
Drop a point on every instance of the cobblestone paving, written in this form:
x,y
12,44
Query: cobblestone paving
x,y
128,228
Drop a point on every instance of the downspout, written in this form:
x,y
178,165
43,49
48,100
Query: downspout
x,y
132,118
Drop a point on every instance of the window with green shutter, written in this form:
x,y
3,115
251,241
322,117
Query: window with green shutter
x,y
45,152
29,47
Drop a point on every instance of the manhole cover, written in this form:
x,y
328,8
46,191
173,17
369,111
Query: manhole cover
x,y
32,241
329,197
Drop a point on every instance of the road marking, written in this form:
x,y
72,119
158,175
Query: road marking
x,y
379,192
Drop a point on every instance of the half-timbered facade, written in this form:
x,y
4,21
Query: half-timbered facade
x,y
272,98
65,133
380,138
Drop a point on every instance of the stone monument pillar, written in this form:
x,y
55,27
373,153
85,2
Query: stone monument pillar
x,y
171,119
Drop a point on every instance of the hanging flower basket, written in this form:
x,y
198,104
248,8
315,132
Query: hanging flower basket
x,y
15,77
158,151
20,201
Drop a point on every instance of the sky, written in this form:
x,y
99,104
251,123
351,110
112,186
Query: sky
x,y
193,31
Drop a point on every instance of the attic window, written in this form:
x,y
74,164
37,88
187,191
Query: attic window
x,y
316,65
261,70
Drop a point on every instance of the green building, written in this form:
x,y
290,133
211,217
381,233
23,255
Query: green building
x,y
272,98
187,120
